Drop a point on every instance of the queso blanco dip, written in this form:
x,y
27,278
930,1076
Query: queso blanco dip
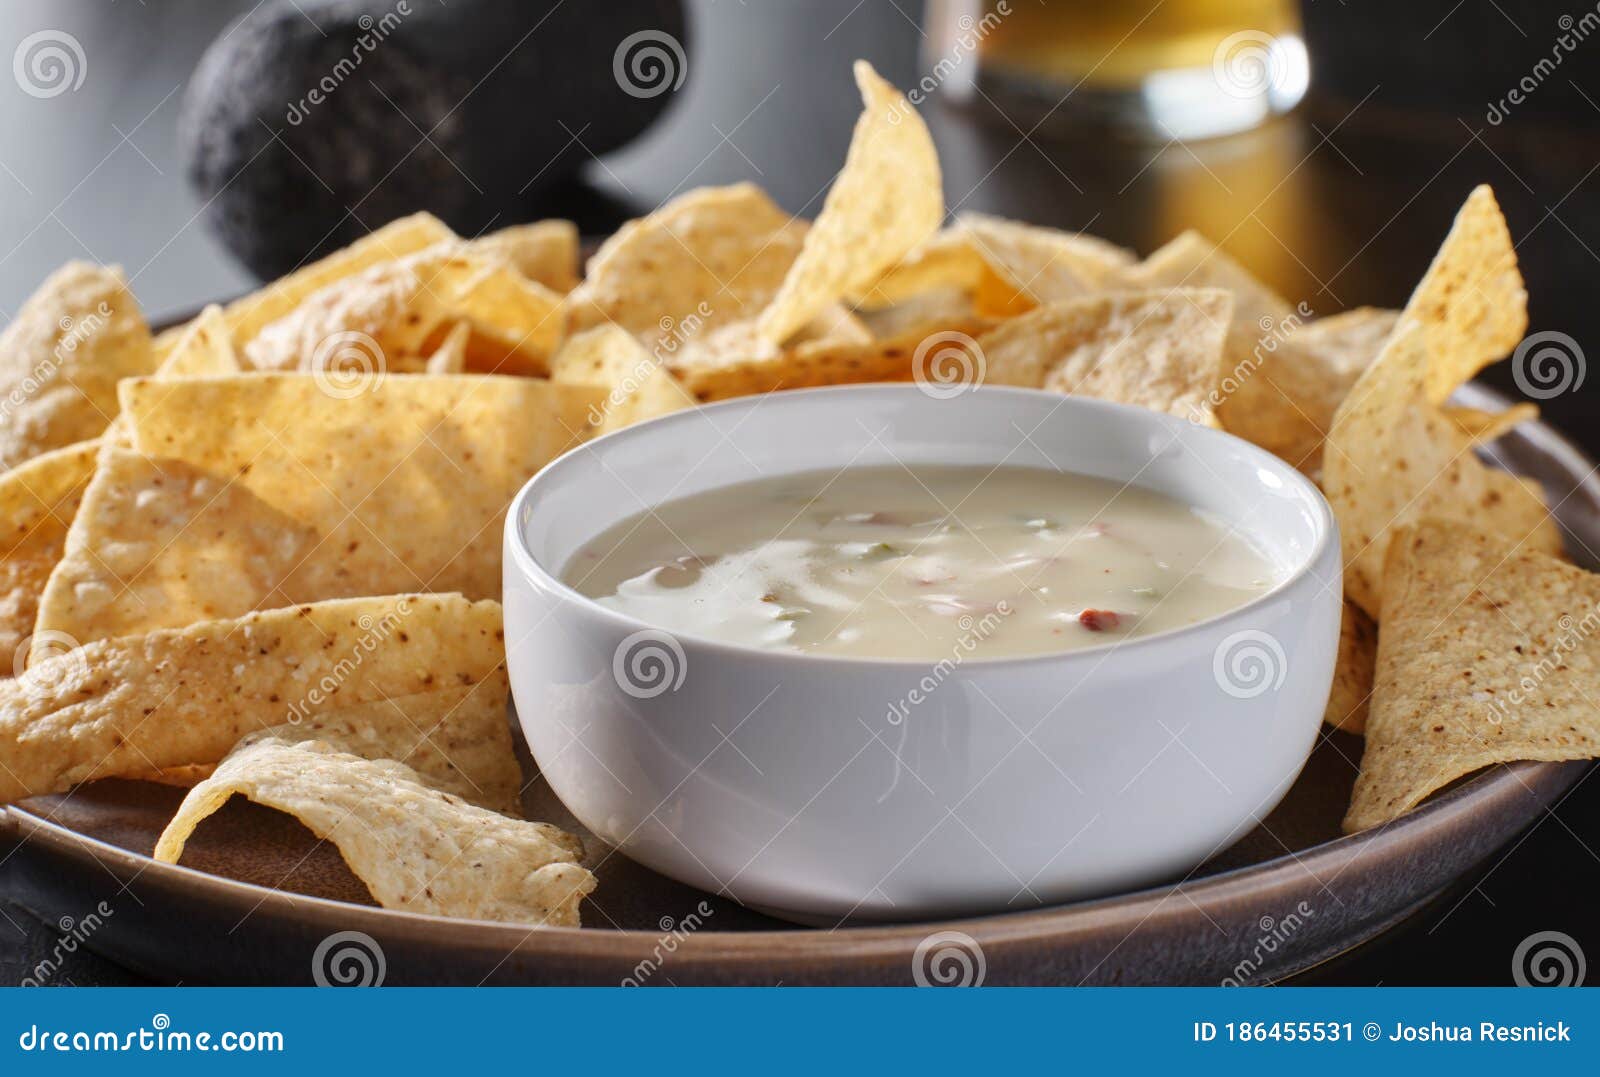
x,y
891,562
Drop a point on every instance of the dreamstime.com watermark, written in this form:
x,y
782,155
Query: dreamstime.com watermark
x,y
960,44
1275,931
49,63
75,333
949,959
74,933
348,959
649,63
947,364
673,934
1547,364
374,630
158,1037
1274,333
374,31
1571,633
1253,63
973,633
346,364
1549,959
1572,33
649,663
1249,663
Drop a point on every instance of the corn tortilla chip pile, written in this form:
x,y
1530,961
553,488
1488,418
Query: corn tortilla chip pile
x,y
257,553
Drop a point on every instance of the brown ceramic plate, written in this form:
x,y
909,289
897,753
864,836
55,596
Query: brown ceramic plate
x,y
258,895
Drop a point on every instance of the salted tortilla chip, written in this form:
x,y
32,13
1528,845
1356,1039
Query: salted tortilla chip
x,y
1345,344
416,847
1471,302
247,316
737,361
1482,427
61,358
265,489
1261,397
392,310
545,252
451,355
37,502
204,348
1393,458
162,543
946,260
1045,264
637,384
1352,671
1485,657
1310,368
1159,350
174,697
710,257
885,201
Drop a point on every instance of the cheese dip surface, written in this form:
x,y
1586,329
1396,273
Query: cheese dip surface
x,y
893,562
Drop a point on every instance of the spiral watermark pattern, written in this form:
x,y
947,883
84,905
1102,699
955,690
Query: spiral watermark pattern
x,y
649,663
1547,364
41,647
349,959
1249,64
649,63
49,63
347,364
947,364
949,959
1548,959
1248,664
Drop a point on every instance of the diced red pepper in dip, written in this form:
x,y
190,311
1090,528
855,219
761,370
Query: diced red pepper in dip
x,y
1099,620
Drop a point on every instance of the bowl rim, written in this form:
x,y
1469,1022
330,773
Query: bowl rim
x,y
542,578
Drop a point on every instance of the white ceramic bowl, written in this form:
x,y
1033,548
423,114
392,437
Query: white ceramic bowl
x,y
790,782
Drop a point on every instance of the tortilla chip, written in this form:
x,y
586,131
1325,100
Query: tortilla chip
x,y
1393,458
162,543
1352,671
61,358
246,317
885,201
264,489
1485,657
1471,302
37,502
204,348
1159,350
451,355
174,697
360,325
416,845
1344,344
1260,400
1045,264
1310,368
638,386
946,260
707,258
1482,427
545,252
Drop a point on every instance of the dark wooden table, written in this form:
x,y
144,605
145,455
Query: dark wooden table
x,y
1341,204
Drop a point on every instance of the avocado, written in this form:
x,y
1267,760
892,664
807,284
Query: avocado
x,y
310,122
